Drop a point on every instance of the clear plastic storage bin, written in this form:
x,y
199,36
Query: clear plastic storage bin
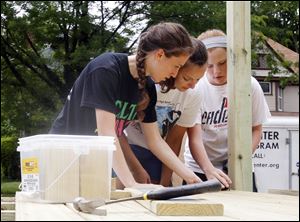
x,y
58,168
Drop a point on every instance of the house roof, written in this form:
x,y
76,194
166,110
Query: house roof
x,y
285,53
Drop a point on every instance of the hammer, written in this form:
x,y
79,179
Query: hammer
x,y
89,206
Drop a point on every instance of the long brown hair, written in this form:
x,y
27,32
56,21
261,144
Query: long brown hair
x,y
173,38
199,57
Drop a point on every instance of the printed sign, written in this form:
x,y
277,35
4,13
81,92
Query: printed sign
x,y
271,160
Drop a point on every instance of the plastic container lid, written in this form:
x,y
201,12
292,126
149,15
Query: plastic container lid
x,y
59,141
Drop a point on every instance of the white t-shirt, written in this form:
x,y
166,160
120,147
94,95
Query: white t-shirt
x,y
173,107
213,116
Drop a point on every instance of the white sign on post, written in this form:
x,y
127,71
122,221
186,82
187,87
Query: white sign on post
x,y
271,160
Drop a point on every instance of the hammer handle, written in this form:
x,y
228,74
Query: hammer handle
x,y
184,190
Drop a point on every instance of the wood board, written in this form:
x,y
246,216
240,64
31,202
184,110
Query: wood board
x,y
184,207
119,194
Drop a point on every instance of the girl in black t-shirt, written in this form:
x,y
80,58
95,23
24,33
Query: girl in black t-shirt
x,y
115,89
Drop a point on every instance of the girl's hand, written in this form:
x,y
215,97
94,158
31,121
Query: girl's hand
x,y
141,176
220,175
192,178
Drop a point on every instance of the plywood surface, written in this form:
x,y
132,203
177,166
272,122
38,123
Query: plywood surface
x,y
28,211
238,205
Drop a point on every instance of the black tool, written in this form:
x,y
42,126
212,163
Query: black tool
x,y
165,193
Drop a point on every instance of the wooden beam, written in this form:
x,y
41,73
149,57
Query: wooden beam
x,y
239,96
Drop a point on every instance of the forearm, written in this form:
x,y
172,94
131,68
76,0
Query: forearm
x,y
256,136
162,151
166,172
200,156
168,157
121,168
174,140
106,127
197,148
131,159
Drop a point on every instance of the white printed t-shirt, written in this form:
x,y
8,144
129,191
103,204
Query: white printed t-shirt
x,y
213,116
173,107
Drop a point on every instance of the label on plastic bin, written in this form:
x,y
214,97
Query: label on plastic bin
x,y
30,182
30,165
30,175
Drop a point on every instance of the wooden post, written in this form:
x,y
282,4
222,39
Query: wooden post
x,y
239,97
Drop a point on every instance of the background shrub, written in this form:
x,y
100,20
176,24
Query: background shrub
x,y
10,158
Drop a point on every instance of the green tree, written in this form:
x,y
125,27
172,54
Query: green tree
x,y
278,20
44,50
196,16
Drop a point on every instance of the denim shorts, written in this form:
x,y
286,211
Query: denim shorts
x,y
149,161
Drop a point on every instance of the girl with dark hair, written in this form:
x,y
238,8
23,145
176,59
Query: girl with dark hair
x,y
114,89
178,103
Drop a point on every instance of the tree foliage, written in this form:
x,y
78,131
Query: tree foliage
x,y
10,158
196,16
278,20
44,50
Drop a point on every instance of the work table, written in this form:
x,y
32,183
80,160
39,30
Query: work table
x,y
238,205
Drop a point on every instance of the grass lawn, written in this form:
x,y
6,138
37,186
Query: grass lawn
x,y
9,188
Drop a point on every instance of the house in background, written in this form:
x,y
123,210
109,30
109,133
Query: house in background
x,y
282,101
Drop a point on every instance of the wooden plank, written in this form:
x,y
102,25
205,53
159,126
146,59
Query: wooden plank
x,y
7,215
284,192
256,206
29,211
113,183
7,199
125,211
118,194
239,96
183,207
7,205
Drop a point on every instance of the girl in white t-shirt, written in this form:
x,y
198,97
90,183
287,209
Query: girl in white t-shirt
x,y
206,150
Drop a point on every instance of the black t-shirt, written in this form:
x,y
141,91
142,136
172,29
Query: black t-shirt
x,y
105,83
